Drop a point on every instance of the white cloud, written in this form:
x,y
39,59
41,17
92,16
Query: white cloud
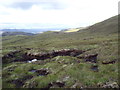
x,y
76,13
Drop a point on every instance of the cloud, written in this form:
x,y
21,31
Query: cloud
x,y
27,4
22,5
71,13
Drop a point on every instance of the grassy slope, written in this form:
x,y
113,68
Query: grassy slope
x,y
108,26
73,30
101,38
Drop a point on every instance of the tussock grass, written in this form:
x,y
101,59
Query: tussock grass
x,y
101,38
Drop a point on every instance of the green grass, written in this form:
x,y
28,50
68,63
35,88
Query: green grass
x,y
105,46
78,72
97,39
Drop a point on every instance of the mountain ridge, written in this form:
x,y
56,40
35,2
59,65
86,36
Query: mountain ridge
x,y
109,25
6,33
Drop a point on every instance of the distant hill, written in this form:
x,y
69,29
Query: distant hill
x,y
108,26
16,33
72,29
31,30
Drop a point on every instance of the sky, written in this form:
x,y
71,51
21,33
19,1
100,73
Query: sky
x,y
30,14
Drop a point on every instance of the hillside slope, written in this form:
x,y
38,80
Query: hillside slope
x,y
108,26
84,59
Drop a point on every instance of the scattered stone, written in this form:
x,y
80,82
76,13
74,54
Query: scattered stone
x,y
99,84
29,61
32,84
59,62
72,64
56,84
73,54
66,78
64,65
77,85
34,60
57,58
111,85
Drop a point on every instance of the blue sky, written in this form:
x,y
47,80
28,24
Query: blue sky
x,y
55,13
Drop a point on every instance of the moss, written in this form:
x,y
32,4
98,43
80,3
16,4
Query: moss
x,y
105,44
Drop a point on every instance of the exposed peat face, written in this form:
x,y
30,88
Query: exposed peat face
x,y
109,62
89,58
57,84
42,72
19,56
14,56
43,56
20,82
94,68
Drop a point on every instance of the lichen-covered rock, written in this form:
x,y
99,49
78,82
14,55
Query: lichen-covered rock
x,y
110,85
77,85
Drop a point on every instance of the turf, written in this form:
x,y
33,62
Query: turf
x,y
101,38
